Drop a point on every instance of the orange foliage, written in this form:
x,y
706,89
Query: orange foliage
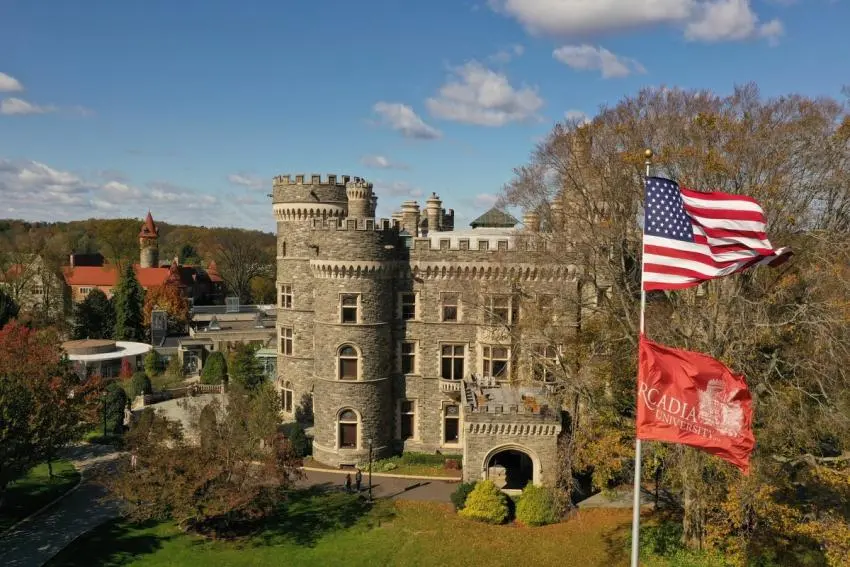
x,y
169,298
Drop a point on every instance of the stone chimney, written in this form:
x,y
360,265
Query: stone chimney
x,y
410,217
531,220
557,209
434,212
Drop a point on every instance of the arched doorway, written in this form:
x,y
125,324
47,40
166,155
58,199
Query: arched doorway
x,y
511,467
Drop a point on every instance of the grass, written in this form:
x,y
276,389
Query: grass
x,y
36,489
339,529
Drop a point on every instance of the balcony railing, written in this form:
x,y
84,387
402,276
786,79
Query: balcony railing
x,y
450,386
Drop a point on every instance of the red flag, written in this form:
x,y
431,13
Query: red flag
x,y
690,398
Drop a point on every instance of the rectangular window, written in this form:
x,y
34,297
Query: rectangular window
x,y
451,424
408,358
286,400
451,307
286,296
408,306
407,418
544,363
85,290
496,362
349,307
286,341
451,361
499,309
348,435
37,290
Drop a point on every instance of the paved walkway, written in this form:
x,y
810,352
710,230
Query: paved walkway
x,y
36,540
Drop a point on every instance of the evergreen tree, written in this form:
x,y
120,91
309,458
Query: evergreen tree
x,y
215,369
8,308
244,367
94,317
128,299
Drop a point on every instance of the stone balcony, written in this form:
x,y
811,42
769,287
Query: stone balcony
x,y
451,387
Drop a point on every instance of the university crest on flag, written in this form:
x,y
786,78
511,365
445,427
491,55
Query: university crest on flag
x,y
690,398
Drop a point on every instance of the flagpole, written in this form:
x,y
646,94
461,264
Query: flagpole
x,y
636,495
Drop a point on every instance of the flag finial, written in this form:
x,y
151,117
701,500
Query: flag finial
x,y
648,153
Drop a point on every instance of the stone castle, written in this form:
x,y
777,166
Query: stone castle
x,y
403,332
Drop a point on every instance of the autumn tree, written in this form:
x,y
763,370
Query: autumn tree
x,y
785,330
94,317
208,481
241,258
128,300
169,298
8,308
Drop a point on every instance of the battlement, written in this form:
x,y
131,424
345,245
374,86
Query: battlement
x,y
354,224
315,179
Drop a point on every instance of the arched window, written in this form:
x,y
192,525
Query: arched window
x,y
349,363
348,423
286,395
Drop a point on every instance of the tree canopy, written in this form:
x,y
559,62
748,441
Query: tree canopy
x,y
786,330
94,317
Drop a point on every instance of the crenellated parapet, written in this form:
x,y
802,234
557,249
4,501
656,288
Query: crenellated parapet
x,y
301,188
491,271
294,212
340,269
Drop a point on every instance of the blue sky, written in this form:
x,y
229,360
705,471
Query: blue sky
x,y
189,108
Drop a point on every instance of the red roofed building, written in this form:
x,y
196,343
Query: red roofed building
x,y
196,283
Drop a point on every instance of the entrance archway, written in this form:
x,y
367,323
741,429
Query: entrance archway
x,y
512,467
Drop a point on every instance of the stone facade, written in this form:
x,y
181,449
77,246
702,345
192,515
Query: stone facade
x,y
428,311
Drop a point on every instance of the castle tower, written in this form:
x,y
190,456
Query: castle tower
x,y
531,220
335,275
359,193
433,211
410,217
149,244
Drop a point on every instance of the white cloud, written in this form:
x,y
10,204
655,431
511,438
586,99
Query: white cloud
x,y
732,19
247,180
507,55
396,189
9,84
589,58
478,95
402,118
577,116
120,191
729,20
19,106
382,162
485,200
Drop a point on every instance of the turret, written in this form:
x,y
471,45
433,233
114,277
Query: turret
x,y
359,193
531,220
149,244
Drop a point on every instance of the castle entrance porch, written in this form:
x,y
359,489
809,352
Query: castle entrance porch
x,y
510,469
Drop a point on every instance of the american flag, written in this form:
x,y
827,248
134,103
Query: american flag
x,y
690,236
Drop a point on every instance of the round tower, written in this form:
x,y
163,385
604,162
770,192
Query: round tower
x,y
359,193
410,217
334,274
149,244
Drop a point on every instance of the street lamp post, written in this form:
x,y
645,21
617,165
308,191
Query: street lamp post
x,y
370,469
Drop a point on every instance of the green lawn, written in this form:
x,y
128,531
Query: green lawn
x,y
338,529
30,493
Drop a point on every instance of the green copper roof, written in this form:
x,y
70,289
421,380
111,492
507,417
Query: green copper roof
x,y
494,218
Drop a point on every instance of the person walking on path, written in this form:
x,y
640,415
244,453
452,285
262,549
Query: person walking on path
x,y
348,482
358,479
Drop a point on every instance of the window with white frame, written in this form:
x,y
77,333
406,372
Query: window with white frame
x,y
544,362
349,307
452,358
286,395
286,336
348,423
451,424
348,363
407,305
37,290
450,307
496,362
85,290
407,353
286,296
407,419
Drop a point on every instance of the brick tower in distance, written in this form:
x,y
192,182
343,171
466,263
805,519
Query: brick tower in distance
x,y
149,244
335,313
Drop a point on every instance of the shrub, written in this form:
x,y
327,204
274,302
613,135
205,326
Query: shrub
x,y
536,506
141,384
126,369
115,402
153,363
486,503
215,369
461,492
294,433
